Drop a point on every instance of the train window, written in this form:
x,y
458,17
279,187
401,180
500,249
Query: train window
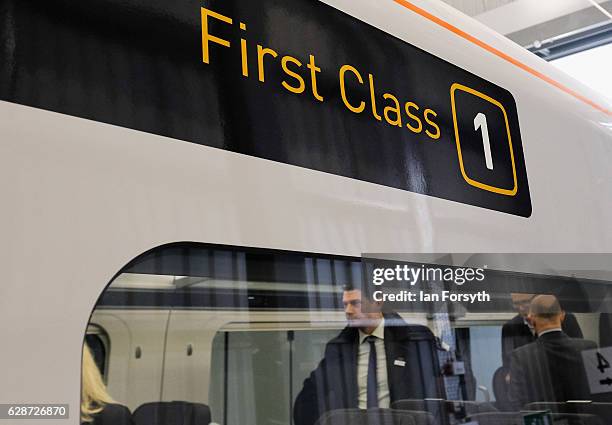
x,y
242,336
278,360
97,341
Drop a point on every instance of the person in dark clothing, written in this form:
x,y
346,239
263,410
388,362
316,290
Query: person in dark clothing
x,y
551,368
517,332
373,362
112,414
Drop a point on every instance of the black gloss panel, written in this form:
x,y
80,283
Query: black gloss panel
x,y
293,81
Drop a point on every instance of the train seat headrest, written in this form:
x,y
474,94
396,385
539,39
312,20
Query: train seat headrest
x,y
375,417
172,413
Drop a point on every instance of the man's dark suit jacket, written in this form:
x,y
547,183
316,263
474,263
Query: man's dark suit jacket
x,y
515,334
550,369
412,370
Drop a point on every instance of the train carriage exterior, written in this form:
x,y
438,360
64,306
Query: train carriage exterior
x,y
166,196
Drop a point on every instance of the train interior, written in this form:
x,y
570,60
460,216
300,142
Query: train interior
x,y
231,334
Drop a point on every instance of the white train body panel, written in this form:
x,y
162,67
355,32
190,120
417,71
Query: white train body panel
x,y
82,198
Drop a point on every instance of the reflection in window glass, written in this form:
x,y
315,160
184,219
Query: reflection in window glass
x,y
241,336
485,347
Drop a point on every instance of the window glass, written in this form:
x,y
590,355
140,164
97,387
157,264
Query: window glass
x,y
241,336
98,350
485,350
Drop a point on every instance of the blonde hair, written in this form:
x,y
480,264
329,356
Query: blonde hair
x,y
93,391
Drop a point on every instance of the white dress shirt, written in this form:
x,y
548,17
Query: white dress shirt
x,y
363,355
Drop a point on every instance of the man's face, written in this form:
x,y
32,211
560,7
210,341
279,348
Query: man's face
x,y
354,305
521,303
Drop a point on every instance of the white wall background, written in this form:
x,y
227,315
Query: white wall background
x,y
591,67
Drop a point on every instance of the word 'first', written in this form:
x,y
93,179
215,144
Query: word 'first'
x,y
415,119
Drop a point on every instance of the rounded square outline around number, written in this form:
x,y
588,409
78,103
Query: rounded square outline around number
x,y
480,185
